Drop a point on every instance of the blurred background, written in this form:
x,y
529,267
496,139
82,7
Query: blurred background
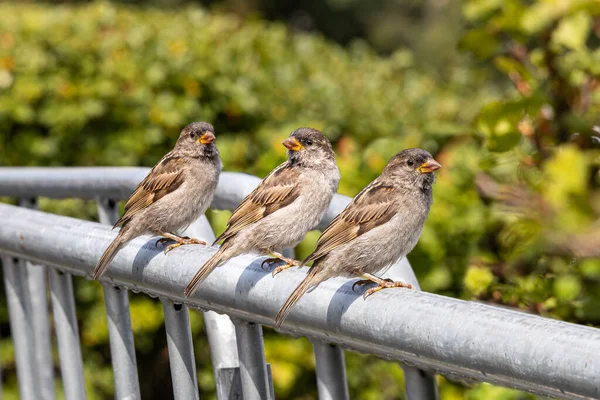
x,y
504,93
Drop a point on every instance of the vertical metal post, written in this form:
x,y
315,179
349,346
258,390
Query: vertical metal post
x,y
289,252
220,332
36,280
253,365
122,348
331,368
181,351
420,385
331,371
38,293
223,353
21,327
67,332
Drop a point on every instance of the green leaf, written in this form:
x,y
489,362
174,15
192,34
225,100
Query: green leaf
x,y
480,42
567,287
478,280
545,12
566,175
477,9
541,14
498,122
573,31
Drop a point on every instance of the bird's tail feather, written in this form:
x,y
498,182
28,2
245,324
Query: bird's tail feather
x,y
108,255
205,270
291,301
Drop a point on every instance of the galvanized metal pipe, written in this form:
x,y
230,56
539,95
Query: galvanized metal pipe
x,y
181,351
116,300
122,348
36,280
222,335
38,293
220,332
331,371
119,182
253,365
108,211
418,384
115,183
451,336
67,333
62,182
223,353
21,327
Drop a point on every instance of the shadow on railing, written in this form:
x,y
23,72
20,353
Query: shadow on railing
x,y
423,331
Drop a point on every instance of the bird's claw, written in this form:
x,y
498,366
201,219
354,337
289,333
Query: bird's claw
x,y
161,241
179,242
387,283
280,268
171,247
361,282
269,262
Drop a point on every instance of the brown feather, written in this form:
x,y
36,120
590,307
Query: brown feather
x,y
373,206
163,179
277,190
296,295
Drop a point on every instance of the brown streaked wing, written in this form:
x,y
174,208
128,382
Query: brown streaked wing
x,y
373,206
277,190
164,178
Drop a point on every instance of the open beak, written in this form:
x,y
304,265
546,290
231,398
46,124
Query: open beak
x,y
292,144
207,138
429,166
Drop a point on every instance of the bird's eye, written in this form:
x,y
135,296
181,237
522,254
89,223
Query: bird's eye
x,y
410,163
309,142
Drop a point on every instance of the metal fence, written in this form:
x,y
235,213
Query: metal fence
x,y
426,333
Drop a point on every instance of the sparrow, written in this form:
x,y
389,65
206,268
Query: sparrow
x,y
174,194
288,203
380,225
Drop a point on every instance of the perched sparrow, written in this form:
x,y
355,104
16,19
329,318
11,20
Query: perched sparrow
x,y
381,224
174,194
288,203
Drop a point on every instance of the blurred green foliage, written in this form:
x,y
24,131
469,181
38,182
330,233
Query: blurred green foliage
x,y
517,203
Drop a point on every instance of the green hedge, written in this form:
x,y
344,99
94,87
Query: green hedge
x,y
101,84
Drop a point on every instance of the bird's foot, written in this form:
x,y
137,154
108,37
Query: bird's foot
x,y
361,282
179,241
269,262
385,284
281,268
277,257
162,241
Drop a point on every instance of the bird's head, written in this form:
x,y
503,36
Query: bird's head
x,y
308,147
412,167
198,139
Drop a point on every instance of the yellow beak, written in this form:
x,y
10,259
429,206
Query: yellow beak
x,y
206,138
429,166
292,144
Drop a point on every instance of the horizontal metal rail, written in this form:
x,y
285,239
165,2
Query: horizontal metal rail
x,y
96,182
117,183
451,336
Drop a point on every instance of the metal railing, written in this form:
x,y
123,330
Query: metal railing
x,y
424,332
